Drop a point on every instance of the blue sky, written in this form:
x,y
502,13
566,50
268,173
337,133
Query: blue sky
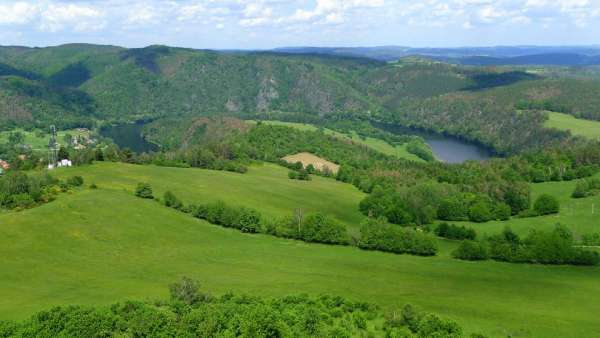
x,y
258,24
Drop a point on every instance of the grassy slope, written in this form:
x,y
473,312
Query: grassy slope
x,y
99,246
266,188
373,143
581,215
579,127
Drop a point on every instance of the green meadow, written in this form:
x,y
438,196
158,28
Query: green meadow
x,y
581,215
373,143
99,246
264,187
38,141
578,127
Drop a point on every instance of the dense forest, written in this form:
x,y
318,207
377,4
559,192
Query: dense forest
x,y
85,85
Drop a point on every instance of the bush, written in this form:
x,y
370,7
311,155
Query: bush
x,y
293,174
546,204
322,229
377,234
172,201
472,251
249,220
144,190
93,186
75,181
502,212
452,231
480,212
592,239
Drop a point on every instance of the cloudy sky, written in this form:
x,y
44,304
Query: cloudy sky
x,y
248,24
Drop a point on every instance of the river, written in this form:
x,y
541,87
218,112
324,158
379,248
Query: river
x,y
129,135
445,148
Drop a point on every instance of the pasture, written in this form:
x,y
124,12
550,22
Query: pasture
x,y
577,127
580,215
100,246
264,187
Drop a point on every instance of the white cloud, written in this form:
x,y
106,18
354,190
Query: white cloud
x,y
17,12
81,18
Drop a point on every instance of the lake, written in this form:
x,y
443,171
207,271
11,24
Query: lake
x,y
129,135
445,148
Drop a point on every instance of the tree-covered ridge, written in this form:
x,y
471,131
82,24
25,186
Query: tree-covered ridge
x,y
83,84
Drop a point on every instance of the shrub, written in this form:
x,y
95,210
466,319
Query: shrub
x,y
93,186
172,201
144,190
187,290
480,212
75,181
546,204
452,231
377,234
471,251
502,211
249,220
592,239
293,174
322,229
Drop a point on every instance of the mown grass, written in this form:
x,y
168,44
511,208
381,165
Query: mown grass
x,y
100,246
580,215
373,143
265,187
578,127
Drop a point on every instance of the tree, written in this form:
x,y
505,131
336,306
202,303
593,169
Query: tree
x,y
546,204
480,212
16,138
471,251
187,290
68,138
63,154
144,190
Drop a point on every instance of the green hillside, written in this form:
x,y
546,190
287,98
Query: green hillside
x,y
98,246
265,187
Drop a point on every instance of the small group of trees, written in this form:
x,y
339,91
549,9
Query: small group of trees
x,y
586,187
452,231
241,218
378,234
541,247
301,175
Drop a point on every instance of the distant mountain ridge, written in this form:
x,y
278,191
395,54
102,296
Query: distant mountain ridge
x,y
501,55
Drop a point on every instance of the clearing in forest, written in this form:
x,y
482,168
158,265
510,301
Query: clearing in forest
x,y
317,162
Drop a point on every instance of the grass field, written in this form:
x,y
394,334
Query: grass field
x,y
100,246
38,143
373,143
579,127
581,215
266,188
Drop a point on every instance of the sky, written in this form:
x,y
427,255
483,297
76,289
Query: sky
x,y
264,24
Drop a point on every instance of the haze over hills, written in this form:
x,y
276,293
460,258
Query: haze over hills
x,y
499,55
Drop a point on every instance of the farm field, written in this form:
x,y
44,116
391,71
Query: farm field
x,y
373,143
95,247
265,187
578,127
579,214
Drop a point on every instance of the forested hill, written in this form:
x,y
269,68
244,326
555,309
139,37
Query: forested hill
x,y
79,85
